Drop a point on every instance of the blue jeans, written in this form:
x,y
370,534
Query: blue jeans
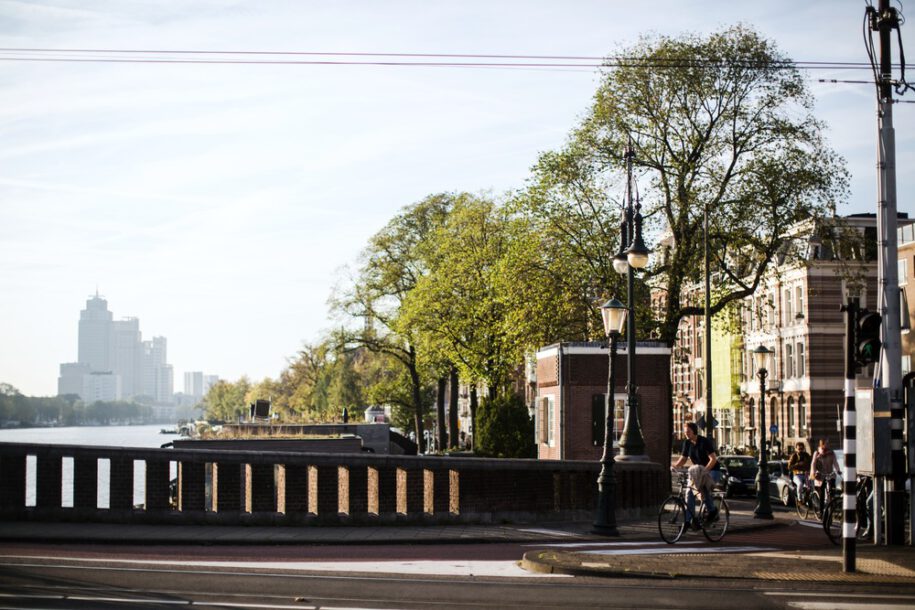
x,y
715,475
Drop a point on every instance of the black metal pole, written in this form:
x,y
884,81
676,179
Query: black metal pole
x,y
631,442
605,521
763,508
709,414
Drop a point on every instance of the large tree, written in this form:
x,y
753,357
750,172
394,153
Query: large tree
x,y
457,308
395,259
721,125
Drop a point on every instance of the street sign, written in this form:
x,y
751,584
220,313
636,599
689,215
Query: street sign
x,y
773,429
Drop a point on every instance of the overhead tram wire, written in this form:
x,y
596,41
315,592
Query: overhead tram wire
x,y
165,56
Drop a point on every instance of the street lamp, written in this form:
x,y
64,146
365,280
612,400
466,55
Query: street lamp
x,y
763,508
627,260
614,315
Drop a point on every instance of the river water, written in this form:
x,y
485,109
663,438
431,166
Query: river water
x,y
109,436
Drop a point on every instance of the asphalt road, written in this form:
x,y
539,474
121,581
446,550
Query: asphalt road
x,y
53,583
437,576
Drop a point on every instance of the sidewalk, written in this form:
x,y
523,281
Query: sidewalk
x,y
874,564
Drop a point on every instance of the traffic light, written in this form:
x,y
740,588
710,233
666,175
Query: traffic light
x,y
867,337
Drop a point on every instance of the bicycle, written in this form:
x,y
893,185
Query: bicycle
x,y
808,500
673,512
833,516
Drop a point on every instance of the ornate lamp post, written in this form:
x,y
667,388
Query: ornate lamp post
x,y
614,315
763,508
627,260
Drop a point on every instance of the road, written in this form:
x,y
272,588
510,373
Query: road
x,y
439,576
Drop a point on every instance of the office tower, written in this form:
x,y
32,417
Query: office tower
x,y
95,334
114,362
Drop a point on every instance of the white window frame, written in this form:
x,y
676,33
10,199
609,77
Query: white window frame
x,y
800,367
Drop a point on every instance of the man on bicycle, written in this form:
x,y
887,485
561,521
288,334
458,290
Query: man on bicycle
x,y
705,472
799,466
823,464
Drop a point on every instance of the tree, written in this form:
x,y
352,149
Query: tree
x,y
504,428
392,264
721,124
226,400
456,308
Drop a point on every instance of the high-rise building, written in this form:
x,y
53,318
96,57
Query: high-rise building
x,y
114,362
127,355
95,334
196,384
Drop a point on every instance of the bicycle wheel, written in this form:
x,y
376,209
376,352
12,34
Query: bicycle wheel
x,y
833,518
716,530
672,519
816,507
801,506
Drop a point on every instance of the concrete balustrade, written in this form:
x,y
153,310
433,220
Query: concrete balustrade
x,y
284,488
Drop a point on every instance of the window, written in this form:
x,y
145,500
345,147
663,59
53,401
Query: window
x,y
786,303
789,361
545,408
903,271
801,368
799,302
905,323
551,407
802,416
752,412
598,425
792,429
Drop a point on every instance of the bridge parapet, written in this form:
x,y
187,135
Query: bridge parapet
x,y
283,488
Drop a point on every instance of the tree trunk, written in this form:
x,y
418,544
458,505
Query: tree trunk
x,y
417,402
473,414
454,436
440,413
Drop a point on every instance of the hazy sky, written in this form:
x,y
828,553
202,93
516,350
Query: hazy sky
x,y
219,204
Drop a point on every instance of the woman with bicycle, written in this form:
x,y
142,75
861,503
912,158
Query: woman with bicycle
x,y
823,468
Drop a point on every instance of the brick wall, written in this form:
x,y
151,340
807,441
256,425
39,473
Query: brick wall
x,y
584,375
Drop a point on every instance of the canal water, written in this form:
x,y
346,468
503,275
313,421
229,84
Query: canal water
x,y
108,436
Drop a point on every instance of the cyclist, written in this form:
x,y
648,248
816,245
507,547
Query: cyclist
x,y
822,465
799,466
704,474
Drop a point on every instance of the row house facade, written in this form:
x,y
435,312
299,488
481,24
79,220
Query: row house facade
x,y
796,314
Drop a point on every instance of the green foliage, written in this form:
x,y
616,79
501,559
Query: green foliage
x,y
226,401
504,428
721,124
455,309
67,410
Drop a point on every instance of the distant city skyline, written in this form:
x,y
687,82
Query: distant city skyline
x,y
222,203
114,362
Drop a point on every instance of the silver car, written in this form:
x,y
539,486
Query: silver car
x,y
781,487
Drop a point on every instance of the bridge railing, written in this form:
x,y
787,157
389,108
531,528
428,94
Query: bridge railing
x,y
233,487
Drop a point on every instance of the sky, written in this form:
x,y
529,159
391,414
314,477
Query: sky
x,y
221,204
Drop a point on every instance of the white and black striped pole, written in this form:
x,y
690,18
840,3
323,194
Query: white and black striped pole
x,y
850,471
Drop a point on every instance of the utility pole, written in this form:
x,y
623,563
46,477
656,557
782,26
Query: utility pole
x,y
889,378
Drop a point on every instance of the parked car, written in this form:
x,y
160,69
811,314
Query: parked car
x,y
781,487
739,476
